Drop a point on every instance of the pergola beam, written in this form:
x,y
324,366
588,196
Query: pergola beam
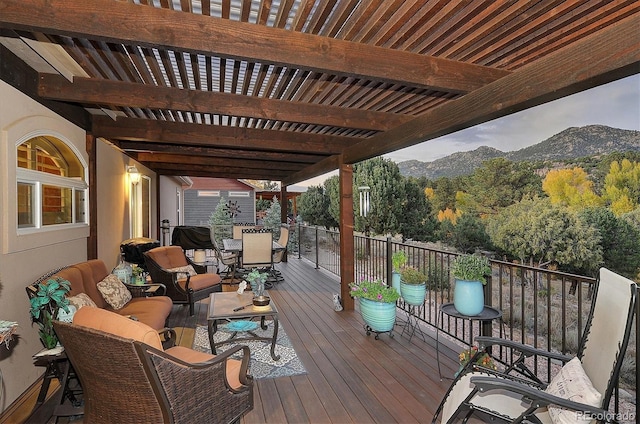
x,y
605,56
136,95
122,23
156,131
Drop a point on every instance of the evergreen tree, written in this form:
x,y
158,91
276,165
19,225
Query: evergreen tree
x,y
387,195
619,240
313,207
272,219
221,222
537,232
417,222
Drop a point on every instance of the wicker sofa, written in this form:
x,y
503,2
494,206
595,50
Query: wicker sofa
x,y
84,277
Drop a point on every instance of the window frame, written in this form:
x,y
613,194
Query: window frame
x,y
38,179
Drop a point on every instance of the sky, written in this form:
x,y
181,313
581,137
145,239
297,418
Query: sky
x,y
616,104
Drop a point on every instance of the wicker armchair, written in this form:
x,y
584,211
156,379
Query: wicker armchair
x,y
128,378
162,263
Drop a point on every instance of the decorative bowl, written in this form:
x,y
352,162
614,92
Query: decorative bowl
x,y
261,300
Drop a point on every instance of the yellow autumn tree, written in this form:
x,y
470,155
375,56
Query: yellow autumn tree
x,y
571,188
429,192
622,186
449,214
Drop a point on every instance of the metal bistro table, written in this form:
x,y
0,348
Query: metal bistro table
x,y
488,314
231,306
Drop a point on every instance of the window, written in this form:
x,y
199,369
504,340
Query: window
x,y
51,186
239,194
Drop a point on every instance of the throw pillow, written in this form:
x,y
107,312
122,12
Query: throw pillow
x,y
184,271
80,300
114,292
572,383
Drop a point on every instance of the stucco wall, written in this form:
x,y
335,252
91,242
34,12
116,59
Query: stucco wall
x,y
24,259
114,222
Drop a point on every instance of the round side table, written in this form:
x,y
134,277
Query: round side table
x,y
488,314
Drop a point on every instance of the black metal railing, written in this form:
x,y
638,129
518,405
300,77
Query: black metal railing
x,y
541,307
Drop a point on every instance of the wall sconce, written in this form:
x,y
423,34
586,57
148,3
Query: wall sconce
x,y
134,175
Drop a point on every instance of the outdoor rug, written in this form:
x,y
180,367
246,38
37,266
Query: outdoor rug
x,y
261,364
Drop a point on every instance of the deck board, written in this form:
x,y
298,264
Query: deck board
x,y
351,377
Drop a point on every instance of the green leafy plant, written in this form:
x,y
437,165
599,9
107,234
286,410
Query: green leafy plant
x,y
45,304
374,290
398,260
411,275
471,268
256,276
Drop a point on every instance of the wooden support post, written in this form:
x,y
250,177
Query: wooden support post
x,y
92,240
346,234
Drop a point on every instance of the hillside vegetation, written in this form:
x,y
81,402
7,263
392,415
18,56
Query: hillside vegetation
x,y
572,143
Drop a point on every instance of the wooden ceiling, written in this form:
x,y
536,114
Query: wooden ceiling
x,y
290,89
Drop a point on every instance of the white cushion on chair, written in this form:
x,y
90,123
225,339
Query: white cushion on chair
x,y
572,383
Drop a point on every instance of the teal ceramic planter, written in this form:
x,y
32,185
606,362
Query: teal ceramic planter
x,y
395,281
380,316
413,294
468,297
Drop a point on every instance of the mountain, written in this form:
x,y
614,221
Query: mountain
x,y
572,143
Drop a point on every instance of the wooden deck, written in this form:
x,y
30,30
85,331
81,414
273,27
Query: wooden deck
x,y
351,377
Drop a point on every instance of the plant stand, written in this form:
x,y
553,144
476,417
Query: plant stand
x,y
370,330
412,324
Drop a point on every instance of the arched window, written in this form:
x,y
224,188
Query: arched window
x,y
51,184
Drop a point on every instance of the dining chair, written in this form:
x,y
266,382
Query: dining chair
x,y
237,229
257,249
581,389
278,254
227,262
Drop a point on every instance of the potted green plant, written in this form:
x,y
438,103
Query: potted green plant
x,y
398,260
377,304
469,272
49,298
257,280
413,285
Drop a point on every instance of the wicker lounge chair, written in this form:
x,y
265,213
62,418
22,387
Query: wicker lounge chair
x,y
167,265
128,378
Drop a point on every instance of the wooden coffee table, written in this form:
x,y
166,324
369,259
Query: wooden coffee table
x,y
227,307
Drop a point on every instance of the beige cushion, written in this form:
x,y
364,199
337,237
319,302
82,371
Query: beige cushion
x,y
184,271
80,300
572,383
114,292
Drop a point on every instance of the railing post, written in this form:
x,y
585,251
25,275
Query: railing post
x,y
317,250
299,240
487,326
389,262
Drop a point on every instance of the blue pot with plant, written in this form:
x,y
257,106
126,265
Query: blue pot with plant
x,y
398,260
377,304
413,286
469,272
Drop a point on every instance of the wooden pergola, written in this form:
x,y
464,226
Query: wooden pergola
x,y
291,89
